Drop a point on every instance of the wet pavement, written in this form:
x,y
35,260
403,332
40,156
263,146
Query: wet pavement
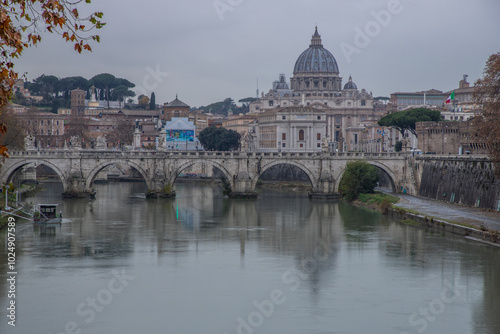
x,y
451,212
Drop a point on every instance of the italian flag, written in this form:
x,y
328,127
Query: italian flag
x,y
451,97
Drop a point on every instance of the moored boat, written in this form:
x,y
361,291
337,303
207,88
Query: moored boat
x,y
47,214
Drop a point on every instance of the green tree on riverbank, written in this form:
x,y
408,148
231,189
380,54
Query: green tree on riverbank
x,y
359,177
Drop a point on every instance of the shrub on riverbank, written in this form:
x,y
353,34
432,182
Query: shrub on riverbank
x,y
378,198
377,201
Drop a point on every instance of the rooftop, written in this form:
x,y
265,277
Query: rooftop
x,y
176,103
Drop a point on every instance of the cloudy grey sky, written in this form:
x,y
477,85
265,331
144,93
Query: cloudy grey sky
x,y
213,49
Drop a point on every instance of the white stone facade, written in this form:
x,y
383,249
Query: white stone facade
x,y
292,129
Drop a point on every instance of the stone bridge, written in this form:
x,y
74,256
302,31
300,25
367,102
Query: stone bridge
x,y
78,169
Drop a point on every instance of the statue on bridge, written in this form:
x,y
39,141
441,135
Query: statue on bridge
x,y
162,141
75,143
29,143
101,143
324,146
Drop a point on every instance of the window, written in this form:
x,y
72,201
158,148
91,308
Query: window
x,y
301,145
363,102
315,84
319,117
318,145
284,145
283,136
283,117
271,103
318,136
301,135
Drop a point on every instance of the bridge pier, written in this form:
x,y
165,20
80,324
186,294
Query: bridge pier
x,y
162,189
242,186
325,189
75,187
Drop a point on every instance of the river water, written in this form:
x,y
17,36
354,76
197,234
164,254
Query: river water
x,y
280,264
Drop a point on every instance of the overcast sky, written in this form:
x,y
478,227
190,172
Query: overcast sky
x,y
210,54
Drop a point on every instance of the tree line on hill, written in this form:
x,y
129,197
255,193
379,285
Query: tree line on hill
x,y
56,92
228,106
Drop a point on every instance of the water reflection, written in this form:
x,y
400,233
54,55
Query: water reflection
x,y
341,268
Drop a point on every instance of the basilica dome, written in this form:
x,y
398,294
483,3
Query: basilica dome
x,y
350,84
316,58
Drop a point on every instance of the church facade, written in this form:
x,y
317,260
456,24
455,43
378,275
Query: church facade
x,y
316,84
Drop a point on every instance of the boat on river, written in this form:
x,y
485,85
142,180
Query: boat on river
x,y
47,214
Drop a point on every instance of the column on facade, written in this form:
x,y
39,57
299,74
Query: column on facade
x,y
309,139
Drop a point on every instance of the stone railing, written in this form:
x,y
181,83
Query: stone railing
x,y
61,153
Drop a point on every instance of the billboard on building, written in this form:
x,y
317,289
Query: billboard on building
x,y
180,135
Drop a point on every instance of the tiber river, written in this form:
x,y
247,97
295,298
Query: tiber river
x,y
202,264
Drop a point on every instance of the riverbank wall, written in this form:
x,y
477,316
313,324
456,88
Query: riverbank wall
x,y
466,180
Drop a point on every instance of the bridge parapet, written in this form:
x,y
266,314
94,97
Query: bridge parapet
x,y
213,154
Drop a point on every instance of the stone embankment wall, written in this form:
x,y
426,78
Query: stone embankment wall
x,y
467,180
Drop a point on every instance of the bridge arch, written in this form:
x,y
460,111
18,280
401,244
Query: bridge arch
x,y
93,174
379,165
11,170
303,168
212,164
